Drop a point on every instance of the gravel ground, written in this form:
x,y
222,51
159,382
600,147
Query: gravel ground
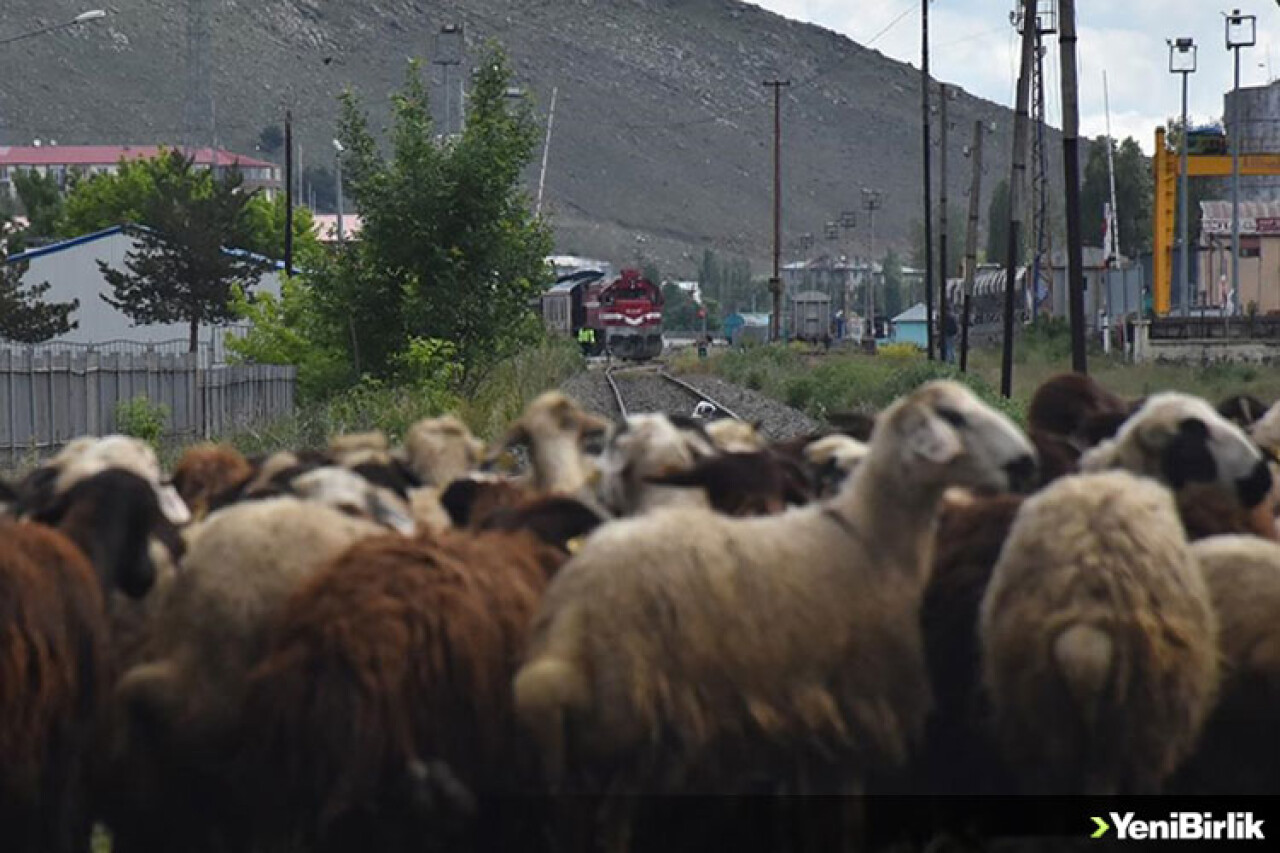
x,y
777,420
646,392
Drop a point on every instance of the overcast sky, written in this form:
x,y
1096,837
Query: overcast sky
x,y
974,45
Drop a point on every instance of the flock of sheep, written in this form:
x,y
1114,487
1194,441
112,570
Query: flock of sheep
x,y
370,647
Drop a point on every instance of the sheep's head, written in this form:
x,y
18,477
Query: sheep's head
x,y
362,444
88,456
1179,439
942,435
207,470
552,415
350,493
441,449
645,446
734,436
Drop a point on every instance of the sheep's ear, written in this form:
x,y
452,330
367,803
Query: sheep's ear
x,y
927,437
591,425
458,498
386,512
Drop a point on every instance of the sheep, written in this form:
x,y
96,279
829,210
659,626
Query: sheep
x,y
734,436
55,663
352,494
745,483
1243,410
644,446
1098,639
554,427
716,648
1063,402
398,651
1180,439
1237,751
179,707
439,450
206,470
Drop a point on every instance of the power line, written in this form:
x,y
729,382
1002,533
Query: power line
x,y
907,10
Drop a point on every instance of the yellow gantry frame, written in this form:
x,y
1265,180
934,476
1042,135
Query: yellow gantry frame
x,y
1167,170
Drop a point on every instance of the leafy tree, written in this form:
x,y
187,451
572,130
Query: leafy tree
x,y
24,316
449,249
893,284
180,271
41,199
320,189
1134,195
679,310
270,139
128,197
105,200
728,284
998,224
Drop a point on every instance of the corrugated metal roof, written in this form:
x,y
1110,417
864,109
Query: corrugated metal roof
x,y
914,314
110,155
62,246
751,319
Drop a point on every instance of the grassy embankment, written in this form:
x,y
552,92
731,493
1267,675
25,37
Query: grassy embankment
x,y
856,382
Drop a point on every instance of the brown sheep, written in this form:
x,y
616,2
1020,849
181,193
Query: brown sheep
x,y
1062,403
207,470
55,666
744,484
1243,410
398,652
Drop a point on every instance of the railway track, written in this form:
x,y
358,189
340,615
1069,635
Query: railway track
x,y
698,396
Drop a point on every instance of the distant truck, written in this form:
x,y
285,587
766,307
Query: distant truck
x,y
1207,139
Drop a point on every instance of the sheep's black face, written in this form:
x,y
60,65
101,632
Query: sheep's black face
x,y
1187,458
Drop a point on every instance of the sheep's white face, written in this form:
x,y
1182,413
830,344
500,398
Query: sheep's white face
x,y
87,456
442,449
946,436
1181,439
554,415
645,445
732,436
350,493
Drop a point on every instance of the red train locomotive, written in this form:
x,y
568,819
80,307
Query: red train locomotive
x,y
626,313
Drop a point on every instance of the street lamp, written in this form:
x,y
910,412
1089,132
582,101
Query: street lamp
x,y
337,146
82,18
1241,32
1182,60
871,201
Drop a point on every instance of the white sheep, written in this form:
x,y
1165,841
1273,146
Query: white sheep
x,y
712,646
645,446
1098,639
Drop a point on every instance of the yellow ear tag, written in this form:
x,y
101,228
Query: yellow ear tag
x,y
574,545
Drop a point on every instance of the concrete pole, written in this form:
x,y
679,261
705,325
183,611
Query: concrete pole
x,y
1071,162
775,283
928,178
1017,181
971,244
1184,266
1235,187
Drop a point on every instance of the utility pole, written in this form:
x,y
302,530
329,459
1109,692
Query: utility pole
x,y
928,179
775,283
944,349
1071,164
1016,181
971,243
288,192
871,200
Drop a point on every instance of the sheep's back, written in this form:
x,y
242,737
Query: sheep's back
x,y
399,650
704,639
1237,752
53,652
1100,561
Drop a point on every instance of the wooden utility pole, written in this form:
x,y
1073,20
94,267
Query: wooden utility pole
x,y
928,179
1016,182
944,349
288,192
1071,167
775,283
971,243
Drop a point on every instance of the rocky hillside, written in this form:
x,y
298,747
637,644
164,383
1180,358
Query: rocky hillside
x,y
663,129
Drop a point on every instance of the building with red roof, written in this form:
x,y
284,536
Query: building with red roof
x,y
63,161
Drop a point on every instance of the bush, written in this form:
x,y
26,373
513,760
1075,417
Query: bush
x,y
142,419
900,352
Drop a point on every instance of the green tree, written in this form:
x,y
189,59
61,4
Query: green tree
x,y
24,315
265,219
449,248
1134,195
41,200
893,284
270,139
679,310
105,200
320,189
180,271
998,224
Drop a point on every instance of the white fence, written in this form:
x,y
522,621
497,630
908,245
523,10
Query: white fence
x,y
48,397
